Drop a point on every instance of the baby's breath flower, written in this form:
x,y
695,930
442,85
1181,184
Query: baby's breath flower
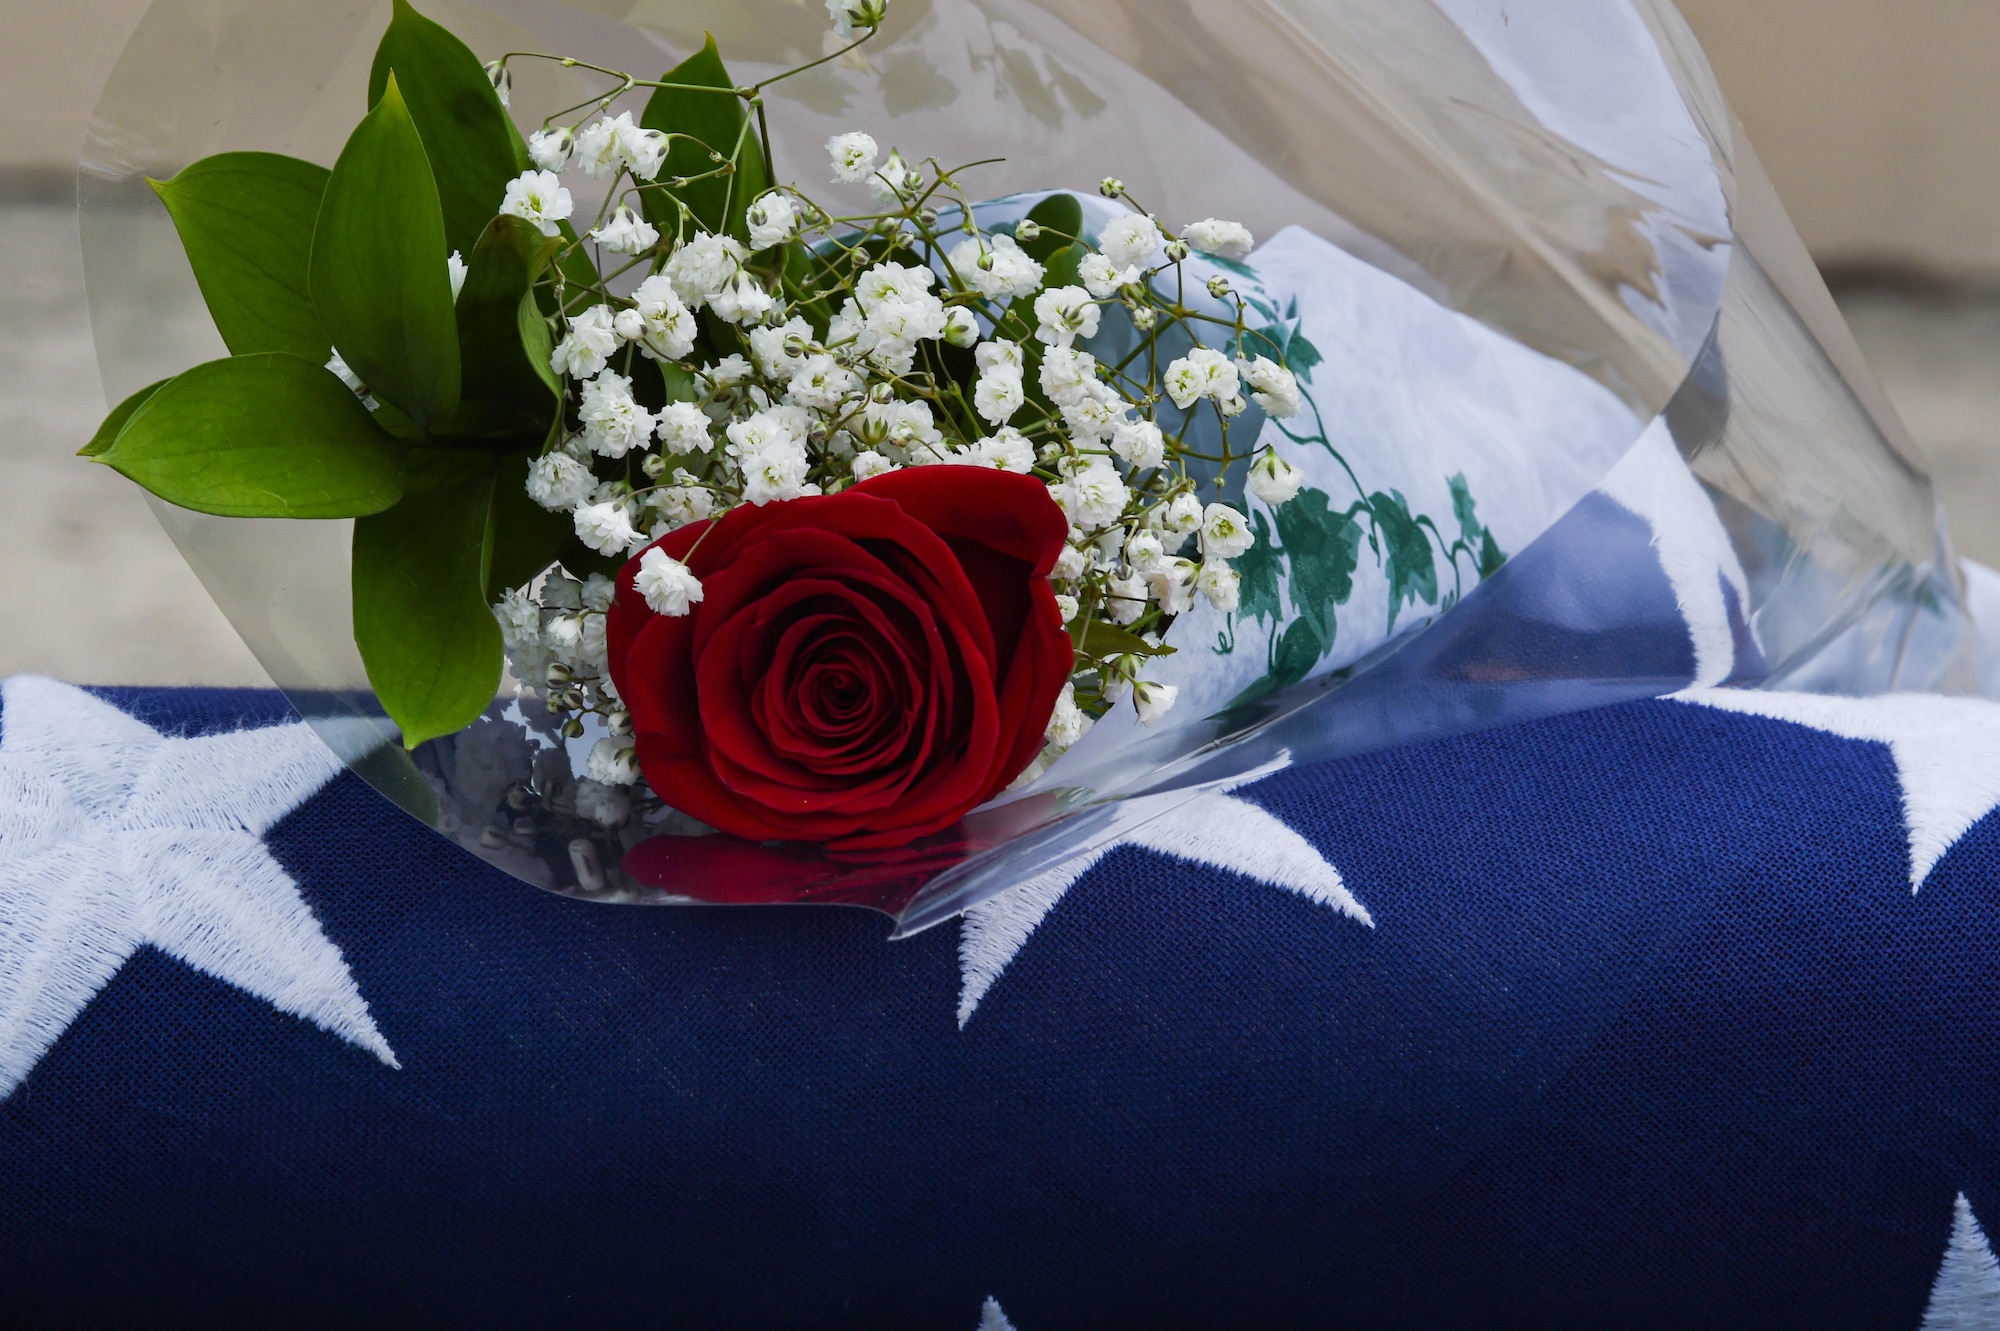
x,y
729,371
1125,598
1068,722
613,422
1102,278
991,354
869,464
1153,701
613,763
667,584
853,157
593,336
1225,533
1221,584
1203,372
1066,606
852,16
1143,549
685,428
1065,314
1182,515
1275,387
893,181
1070,564
996,267
626,233
961,329
1274,480
658,321
1140,443
704,266
607,528
502,79
1131,240
538,197
550,149
998,395
454,267
1007,450
773,219
1170,582
1093,495
1225,240
609,144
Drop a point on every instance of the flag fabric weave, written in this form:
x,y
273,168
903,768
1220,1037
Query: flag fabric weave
x,y
1627,1018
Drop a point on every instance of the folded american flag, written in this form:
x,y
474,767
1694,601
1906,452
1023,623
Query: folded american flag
x,y
1678,1014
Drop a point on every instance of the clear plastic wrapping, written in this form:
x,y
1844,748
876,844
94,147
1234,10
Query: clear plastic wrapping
x,y
1585,425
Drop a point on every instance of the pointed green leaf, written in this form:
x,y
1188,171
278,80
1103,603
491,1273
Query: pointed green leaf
x,y
421,619
265,436
536,344
718,121
378,271
500,272
100,442
246,222
527,538
472,143
1097,639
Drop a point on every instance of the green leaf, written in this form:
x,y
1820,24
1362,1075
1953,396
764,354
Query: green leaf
x,y
1061,218
527,538
536,345
100,442
1063,268
378,268
265,436
246,222
500,274
1300,356
715,120
1469,528
472,143
1409,560
1491,556
1096,639
421,620
1258,567
1322,550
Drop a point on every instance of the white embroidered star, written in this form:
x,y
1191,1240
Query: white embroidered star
x,y
1946,751
1966,1293
113,837
1215,829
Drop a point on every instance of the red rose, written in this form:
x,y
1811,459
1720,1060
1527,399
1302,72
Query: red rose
x,y
863,668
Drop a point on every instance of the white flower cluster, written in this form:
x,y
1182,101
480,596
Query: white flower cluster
x,y
808,351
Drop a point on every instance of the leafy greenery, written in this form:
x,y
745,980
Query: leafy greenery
x,y
107,433
495,364
246,222
527,538
1060,216
263,436
715,122
1406,553
1101,641
378,271
421,618
472,144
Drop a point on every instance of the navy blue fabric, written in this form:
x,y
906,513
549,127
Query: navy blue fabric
x,y
1649,1032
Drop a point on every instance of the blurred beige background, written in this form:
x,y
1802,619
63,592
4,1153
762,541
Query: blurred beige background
x,y
1879,120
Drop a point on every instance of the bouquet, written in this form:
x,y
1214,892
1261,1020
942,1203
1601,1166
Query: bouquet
x,y
760,539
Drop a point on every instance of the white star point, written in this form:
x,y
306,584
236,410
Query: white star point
x,y
113,837
1946,751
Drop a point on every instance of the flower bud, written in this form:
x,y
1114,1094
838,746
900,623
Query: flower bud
x,y
1028,231
502,79
1177,250
1111,187
1218,286
1144,318
654,466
